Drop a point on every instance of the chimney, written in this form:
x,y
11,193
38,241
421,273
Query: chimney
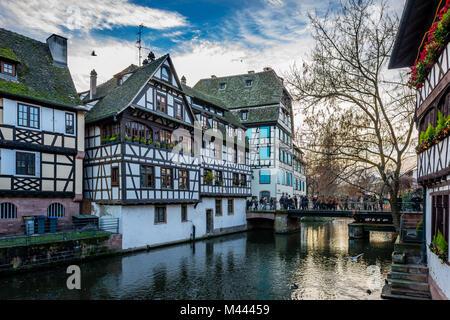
x,y
250,72
93,87
58,49
213,76
183,80
267,69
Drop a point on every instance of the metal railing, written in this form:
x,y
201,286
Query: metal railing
x,y
411,228
35,231
368,206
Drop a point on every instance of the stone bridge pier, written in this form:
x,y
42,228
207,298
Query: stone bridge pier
x,y
286,224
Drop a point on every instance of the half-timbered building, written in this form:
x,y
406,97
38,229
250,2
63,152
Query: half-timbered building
x,y
264,106
421,22
145,154
224,160
41,130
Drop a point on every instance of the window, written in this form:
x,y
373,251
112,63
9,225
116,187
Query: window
x,y
440,217
248,83
215,125
147,177
243,180
249,133
160,215
222,86
204,122
28,116
113,130
165,74
218,177
218,207
184,213
244,115
178,111
230,206
161,103
132,129
183,180
56,210
8,68
115,176
230,132
264,176
264,153
235,178
70,123
265,132
25,164
165,136
166,178
8,211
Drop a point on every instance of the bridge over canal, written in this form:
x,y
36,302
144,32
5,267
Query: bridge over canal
x,y
286,221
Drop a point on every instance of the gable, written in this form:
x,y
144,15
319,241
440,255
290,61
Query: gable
x,y
167,69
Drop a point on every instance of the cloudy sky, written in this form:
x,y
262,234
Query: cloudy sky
x,y
204,37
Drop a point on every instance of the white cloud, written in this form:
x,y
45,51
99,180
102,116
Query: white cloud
x,y
50,16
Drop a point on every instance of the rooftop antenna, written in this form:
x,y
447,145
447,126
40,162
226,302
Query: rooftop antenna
x,y
139,42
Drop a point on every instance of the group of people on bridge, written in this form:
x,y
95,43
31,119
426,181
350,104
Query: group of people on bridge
x,y
347,203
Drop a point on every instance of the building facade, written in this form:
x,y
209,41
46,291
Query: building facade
x,y
41,131
299,173
433,116
261,103
149,165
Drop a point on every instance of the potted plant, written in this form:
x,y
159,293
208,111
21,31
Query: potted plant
x,y
209,178
157,144
136,139
219,183
150,141
128,138
439,246
143,140
243,183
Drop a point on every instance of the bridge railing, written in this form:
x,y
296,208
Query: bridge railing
x,y
369,206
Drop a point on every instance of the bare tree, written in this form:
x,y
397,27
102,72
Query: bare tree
x,y
345,82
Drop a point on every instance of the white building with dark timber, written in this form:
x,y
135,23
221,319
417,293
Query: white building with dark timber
x,y
433,166
41,131
262,104
145,160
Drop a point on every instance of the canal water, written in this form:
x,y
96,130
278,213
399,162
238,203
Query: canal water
x,y
310,264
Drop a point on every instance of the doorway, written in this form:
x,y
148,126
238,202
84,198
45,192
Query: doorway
x,y
209,221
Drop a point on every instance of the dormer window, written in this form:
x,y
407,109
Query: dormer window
x,y
222,86
165,74
244,115
248,83
8,68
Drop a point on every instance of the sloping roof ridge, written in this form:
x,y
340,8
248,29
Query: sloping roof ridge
x,y
238,75
23,37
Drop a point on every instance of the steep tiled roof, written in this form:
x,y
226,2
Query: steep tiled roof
x,y
266,89
105,88
264,114
38,78
118,98
228,117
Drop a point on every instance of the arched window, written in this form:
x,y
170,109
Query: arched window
x,y
56,210
165,74
8,211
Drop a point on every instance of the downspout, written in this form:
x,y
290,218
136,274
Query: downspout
x,y
424,233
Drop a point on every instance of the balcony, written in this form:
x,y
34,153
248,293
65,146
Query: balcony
x,y
433,163
434,82
13,137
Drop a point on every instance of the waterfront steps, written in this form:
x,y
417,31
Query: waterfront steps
x,y
408,281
